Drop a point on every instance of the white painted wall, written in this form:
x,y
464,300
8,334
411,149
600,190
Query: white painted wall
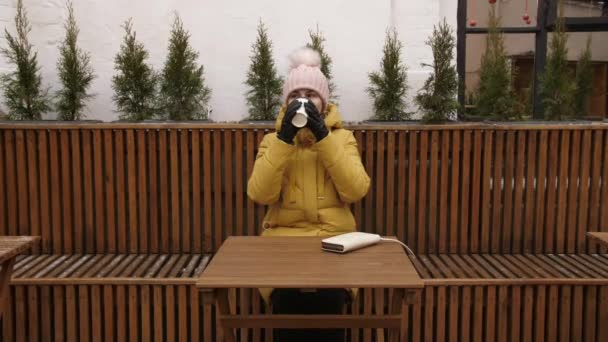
x,y
223,31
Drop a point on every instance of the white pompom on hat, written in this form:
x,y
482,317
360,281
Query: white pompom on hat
x,y
305,73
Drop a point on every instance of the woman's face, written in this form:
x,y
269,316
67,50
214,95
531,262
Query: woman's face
x,y
311,95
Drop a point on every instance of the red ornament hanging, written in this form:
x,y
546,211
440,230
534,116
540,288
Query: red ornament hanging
x,y
526,16
473,23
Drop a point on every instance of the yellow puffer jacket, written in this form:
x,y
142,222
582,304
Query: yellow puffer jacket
x,y
308,190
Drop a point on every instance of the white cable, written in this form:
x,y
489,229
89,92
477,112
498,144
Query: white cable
x,y
402,244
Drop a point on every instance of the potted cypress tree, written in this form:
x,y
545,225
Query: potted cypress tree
x,y
24,96
317,43
183,93
135,83
265,85
389,87
75,73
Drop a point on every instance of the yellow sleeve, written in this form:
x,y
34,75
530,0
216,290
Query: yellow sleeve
x,y
264,186
343,163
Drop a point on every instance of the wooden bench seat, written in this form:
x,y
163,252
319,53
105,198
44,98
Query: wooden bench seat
x,y
47,269
503,269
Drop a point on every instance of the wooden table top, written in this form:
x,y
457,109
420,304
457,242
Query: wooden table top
x,y
11,246
299,262
599,237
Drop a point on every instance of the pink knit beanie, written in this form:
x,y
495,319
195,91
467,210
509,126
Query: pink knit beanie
x,y
305,73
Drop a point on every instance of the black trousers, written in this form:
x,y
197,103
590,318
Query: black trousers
x,y
323,301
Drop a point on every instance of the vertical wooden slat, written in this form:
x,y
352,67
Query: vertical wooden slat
x,y
186,188
182,313
34,190
475,193
71,315
367,309
108,314
170,318
602,334
422,192
541,185
464,195
66,192
146,329
485,192
217,188
250,160
100,223
518,207
453,327
45,229
507,227
33,312
433,213
583,209
153,219
110,153
528,235
121,313
428,313
158,313
454,238
528,314
390,185
142,191
207,323
197,243
441,313
121,206
465,314
133,317
412,191
20,314
3,201
591,301
207,181
132,194
541,307
77,191
11,187
575,146
380,189
96,314
478,319
175,190
503,318
239,187
595,187
490,319
83,313
45,314
195,314
604,192
516,314
444,242
256,309
552,311
550,226
58,313
55,180
163,173
228,180
87,176
496,227
562,199
402,228
23,225
565,302
577,313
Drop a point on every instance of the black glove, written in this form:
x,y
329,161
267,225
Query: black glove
x,y
288,130
315,123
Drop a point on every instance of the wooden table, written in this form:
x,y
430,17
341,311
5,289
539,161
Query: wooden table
x,y
10,247
299,262
599,237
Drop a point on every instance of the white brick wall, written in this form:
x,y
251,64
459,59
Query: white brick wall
x,y
223,31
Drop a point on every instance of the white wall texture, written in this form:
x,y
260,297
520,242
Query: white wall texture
x,y
223,31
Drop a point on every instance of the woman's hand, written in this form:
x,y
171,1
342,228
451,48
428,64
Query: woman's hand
x,y
315,123
288,130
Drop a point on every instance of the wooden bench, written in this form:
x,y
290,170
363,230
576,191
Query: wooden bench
x,y
497,214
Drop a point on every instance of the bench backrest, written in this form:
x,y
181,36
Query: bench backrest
x,y
176,188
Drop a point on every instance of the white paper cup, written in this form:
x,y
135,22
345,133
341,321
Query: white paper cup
x,y
300,119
